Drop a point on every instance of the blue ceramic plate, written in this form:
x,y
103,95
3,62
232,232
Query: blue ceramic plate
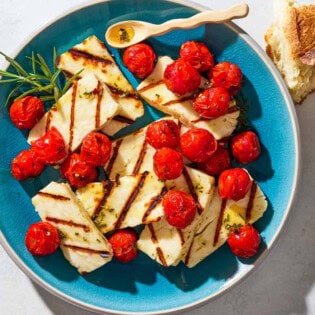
x,y
143,285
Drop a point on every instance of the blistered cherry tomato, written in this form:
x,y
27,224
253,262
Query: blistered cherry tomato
x,y
181,78
179,207
212,102
139,59
246,147
50,148
234,183
167,163
198,144
77,171
42,239
244,242
124,245
96,149
219,161
163,133
227,75
26,165
26,112
197,54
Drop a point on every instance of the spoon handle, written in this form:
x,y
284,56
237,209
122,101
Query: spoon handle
x,y
218,16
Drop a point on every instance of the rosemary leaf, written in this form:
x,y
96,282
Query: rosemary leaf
x,y
70,81
14,64
44,66
11,94
54,59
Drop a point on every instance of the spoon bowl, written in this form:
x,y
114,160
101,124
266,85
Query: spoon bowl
x,y
127,33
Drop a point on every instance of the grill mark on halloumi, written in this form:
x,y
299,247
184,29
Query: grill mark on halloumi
x,y
140,158
108,186
72,114
158,249
123,119
76,53
251,201
192,190
98,105
182,239
183,99
69,223
219,223
114,156
153,204
104,254
48,121
231,109
150,86
130,200
53,196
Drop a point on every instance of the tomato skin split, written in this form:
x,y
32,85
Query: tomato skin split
x,y
197,55
124,245
198,144
234,183
42,239
244,242
96,149
139,59
219,161
227,75
163,133
26,112
181,78
50,148
77,171
167,163
180,208
26,165
246,147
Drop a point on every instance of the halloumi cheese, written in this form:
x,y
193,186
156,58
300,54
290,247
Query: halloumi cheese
x,y
220,215
93,56
154,91
165,243
87,106
83,245
130,201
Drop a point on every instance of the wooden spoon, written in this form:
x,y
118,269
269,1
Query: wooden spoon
x,y
126,33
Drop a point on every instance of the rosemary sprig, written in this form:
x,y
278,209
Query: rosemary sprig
x,y
41,81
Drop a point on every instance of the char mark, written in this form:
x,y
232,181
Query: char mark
x,y
158,249
150,86
108,185
69,223
251,201
53,196
76,53
104,254
72,114
219,223
140,158
113,157
98,105
123,119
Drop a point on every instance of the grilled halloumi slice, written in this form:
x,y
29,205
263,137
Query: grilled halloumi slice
x,y
83,245
165,243
93,56
154,91
87,106
129,201
131,154
220,215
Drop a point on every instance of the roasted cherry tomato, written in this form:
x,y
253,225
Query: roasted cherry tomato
x,y
42,239
139,59
197,54
179,207
212,102
26,165
96,149
198,144
219,161
246,147
181,78
26,112
227,75
234,183
167,163
50,148
124,244
77,171
244,242
163,133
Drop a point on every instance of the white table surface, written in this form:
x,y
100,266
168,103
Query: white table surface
x,y
283,284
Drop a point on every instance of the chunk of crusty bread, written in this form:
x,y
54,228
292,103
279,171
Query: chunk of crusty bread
x,y
291,45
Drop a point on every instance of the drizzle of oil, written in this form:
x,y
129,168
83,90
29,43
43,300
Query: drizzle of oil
x,y
121,34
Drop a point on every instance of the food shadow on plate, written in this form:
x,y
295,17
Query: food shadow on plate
x,y
141,270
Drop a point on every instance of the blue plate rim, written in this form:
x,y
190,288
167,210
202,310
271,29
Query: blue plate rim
x,y
237,280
